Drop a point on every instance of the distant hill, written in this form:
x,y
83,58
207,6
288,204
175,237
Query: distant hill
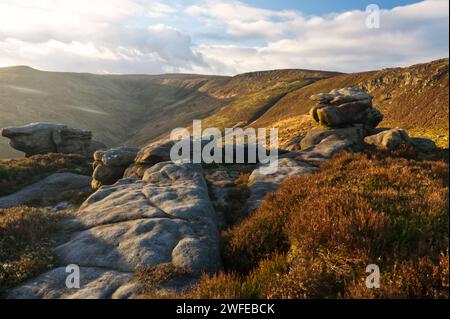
x,y
137,109
114,107
132,109
415,98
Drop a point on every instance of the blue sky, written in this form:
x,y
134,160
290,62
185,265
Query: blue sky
x,y
220,36
325,6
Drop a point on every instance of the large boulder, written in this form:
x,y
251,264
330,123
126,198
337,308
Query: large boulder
x,y
354,134
109,166
343,107
390,139
167,218
52,189
262,182
41,138
424,145
321,144
154,153
293,144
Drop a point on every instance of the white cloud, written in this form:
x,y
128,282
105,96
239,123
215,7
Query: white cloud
x,y
152,36
342,42
242,20
91,35
159,9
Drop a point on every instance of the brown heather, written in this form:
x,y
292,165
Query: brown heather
x,y
18,172
360,209
25,240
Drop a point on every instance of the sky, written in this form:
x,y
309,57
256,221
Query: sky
x,y
224,37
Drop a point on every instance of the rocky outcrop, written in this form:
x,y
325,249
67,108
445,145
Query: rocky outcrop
x,y
294,144
154,153
95,283
390,139
354,134
321,144
345,106
261,183
53,188
41,138
423,145
165,218
159,212
109,166
346,116
147,157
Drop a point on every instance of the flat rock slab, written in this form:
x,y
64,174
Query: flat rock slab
x,y
165,218
51,187
95,283
321,144
261,184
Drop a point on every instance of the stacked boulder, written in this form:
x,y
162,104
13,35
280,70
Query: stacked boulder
x,y
109,166
346,116
348,121
41,138
343,107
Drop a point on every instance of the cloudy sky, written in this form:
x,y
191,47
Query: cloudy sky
x,y
220,36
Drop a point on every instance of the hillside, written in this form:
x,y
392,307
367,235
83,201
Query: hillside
x,y
415,98
113,107
137,109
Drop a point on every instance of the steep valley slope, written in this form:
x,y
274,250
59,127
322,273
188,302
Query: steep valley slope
x,y
138,109
415,98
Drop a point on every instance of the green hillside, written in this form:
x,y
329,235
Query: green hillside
x,y
138,109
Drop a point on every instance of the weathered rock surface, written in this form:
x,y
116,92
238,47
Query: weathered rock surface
x,y
220,180
41,138
165,218
423,145
109,166
321,144
390,139
262,183
160,152
345,106
293,144
136,171
340,96
354,134
51,188
154,153
95,283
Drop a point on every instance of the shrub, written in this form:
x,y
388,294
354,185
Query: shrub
x,y
235,209
25,240
18,172
218,286
358,210
153,276
258,283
